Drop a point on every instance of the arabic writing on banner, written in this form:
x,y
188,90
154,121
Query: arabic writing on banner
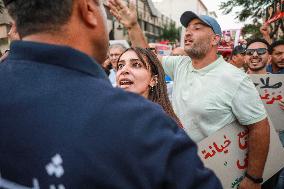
x,y
225,152
271,90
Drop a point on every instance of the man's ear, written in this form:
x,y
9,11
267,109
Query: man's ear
x,y
88,9
233,58
269,59
216,40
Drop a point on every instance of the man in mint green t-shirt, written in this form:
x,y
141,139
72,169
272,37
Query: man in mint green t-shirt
x,y
209,93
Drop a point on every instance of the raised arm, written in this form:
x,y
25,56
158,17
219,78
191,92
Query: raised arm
x,y
264,30
128,17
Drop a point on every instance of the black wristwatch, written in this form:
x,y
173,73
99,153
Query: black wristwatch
x,y
254,179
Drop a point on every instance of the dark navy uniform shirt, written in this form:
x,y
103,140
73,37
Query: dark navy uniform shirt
x,y
62,126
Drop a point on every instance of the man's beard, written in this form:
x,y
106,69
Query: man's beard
x,y
199,48
258,68
279,65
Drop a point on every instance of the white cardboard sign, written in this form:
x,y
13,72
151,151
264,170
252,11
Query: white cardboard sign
x,y
271,90
225,152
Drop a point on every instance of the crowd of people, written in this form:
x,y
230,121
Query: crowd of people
x,y
77,113
260,57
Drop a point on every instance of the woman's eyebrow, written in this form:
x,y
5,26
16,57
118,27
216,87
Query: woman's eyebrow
x,y
131,60
134,59
121,61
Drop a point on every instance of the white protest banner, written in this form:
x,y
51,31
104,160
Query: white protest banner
x,y
271,90
225,152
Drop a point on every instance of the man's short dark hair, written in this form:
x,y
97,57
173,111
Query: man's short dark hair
x,y
259,40
275,44
239,49
35,16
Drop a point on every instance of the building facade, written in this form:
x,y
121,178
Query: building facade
x,y
150,20
5,25
175,8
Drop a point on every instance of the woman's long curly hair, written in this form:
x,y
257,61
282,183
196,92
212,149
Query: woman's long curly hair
x,y
157,93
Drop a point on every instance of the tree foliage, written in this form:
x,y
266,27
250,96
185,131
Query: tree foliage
x,y
252,31
170,32
248,8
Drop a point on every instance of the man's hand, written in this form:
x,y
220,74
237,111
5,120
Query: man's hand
x,y
248,184
106,63
126,15
265,31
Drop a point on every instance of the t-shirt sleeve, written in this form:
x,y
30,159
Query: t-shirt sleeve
x,y
171,63
247,105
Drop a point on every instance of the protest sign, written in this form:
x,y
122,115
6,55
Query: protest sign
x,y
225,152
271,90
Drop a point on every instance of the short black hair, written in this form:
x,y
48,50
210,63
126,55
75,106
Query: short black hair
x,y
35,16
261,41
275,44
239,49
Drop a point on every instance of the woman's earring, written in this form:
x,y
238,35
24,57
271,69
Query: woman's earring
x,y
151,89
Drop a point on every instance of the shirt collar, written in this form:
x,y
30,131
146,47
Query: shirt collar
x,y
56,55
211,66
269,69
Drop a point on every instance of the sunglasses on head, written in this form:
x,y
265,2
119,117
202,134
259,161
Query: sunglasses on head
x,y
259,51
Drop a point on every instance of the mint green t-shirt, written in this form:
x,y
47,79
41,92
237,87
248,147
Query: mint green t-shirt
x,y
210,98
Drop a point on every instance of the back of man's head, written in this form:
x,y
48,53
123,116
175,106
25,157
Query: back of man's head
x,y
79,24
35,16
